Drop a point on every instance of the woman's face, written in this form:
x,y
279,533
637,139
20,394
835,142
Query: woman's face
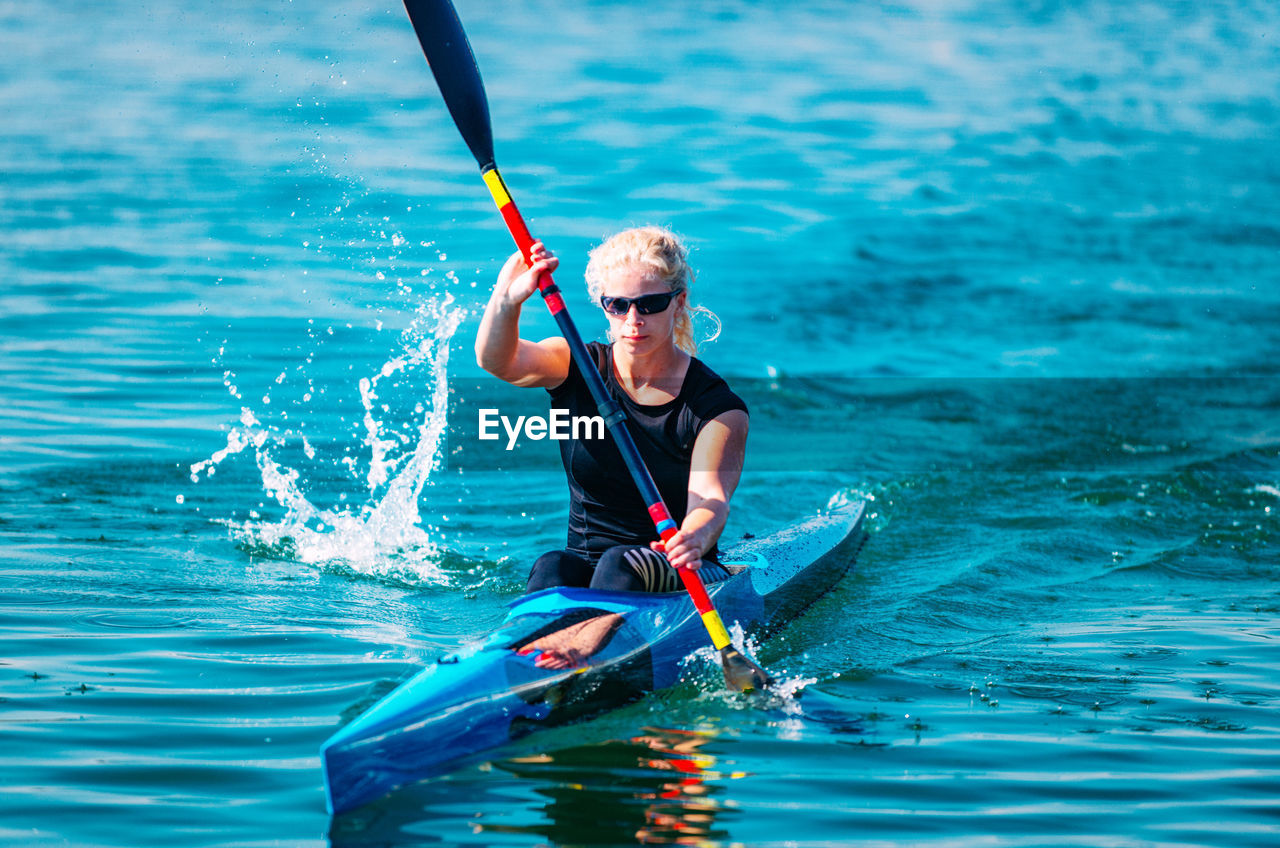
x,y
641,334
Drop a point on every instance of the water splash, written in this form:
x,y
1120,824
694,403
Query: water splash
x,y
383,535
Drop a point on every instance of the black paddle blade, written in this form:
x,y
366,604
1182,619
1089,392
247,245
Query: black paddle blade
x,y
741,673
454,65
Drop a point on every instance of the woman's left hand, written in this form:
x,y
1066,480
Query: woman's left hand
x,y
683,550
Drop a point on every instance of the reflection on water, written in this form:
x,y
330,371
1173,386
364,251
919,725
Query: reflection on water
x,y
655,789
658,787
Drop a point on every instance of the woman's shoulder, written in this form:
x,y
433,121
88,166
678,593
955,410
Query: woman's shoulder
x,y
599,353
707,393
702,377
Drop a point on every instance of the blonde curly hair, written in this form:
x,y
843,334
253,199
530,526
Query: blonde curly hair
x,y
659,250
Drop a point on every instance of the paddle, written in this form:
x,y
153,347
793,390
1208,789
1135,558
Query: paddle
x,y
454,65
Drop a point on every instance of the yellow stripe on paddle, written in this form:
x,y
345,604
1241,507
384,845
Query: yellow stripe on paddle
x,y
497,187
719,636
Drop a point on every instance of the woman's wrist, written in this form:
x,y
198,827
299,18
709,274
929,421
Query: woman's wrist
x,y
506,307
704,522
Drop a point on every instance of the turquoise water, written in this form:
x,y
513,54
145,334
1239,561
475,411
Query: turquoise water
x,y
1011,270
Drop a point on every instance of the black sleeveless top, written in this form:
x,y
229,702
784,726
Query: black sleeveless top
x,y
605,507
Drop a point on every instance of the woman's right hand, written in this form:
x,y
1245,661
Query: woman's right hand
x,y
517,281
499,348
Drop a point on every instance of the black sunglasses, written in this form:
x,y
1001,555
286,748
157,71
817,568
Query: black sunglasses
x,y
649,304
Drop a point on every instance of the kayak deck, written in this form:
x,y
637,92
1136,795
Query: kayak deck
x,y
466,705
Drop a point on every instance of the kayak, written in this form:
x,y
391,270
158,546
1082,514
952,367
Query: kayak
x,y
471,703
467,705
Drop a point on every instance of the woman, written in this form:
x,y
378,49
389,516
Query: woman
x,y
690,428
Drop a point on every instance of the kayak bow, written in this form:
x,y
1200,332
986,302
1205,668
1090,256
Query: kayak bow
x,y
467,705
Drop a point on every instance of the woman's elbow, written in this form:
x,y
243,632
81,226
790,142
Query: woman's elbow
x,y
482,359
716,500
486,359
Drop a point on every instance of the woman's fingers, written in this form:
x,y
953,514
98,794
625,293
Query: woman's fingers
x,y
538,252
692,562
682,551
541,261
521,286
545,265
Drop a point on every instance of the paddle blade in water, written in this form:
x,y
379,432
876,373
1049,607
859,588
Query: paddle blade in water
x,y
454,65
741,673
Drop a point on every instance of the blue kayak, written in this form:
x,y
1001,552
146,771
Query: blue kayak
x,y
467,705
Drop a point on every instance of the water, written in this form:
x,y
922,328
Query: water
x,y
1010,270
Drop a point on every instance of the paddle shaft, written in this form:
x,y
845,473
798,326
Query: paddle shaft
x,y
615,418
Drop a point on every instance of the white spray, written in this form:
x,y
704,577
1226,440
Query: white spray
x,y
385,536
